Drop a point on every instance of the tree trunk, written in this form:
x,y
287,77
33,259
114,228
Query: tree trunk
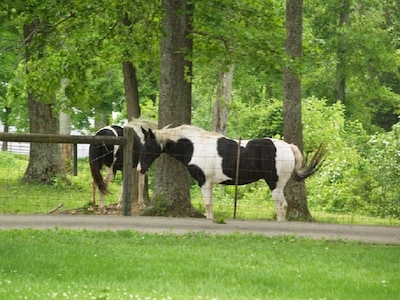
x,y
66,149
131,90
223,100
100,119
340,83
45,164
44,159
295,192
133,111
172,181
65,127
5,118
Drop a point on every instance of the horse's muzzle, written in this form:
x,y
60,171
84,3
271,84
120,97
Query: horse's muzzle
x,y
140,169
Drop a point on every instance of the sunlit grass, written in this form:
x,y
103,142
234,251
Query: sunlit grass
x,y
67,264
31,198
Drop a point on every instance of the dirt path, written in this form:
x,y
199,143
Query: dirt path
x,y
370,234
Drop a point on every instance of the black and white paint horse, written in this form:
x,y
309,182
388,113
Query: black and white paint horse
x,y
211,158
111,156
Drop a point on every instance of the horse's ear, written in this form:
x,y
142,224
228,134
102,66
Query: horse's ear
x,y
148,134
151,134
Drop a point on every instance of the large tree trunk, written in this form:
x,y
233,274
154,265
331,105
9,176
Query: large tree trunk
x,y
295,192
223,100
45,163
171,189
340,83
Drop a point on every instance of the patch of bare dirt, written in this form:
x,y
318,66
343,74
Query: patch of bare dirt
x,y
113,209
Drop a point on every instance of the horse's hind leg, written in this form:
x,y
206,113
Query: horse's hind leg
x,y
94,187
107,180
280,203
206,191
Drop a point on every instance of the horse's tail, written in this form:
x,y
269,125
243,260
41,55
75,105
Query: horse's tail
x,y
95,170
303,170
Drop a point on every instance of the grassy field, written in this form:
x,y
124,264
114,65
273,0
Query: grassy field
x,y
64,264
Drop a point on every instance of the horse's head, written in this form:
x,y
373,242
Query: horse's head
x,y
150,151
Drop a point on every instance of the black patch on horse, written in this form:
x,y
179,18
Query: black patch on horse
x,y
257,161
182,150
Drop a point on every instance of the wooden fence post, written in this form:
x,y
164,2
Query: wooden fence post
x,y
127,172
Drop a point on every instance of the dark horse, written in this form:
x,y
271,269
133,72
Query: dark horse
x,y
212,158
111,156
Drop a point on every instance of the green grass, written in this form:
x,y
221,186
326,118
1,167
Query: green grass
x,y
66,264
32,198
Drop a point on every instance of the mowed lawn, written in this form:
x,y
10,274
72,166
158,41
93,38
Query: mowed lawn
x,y
82,264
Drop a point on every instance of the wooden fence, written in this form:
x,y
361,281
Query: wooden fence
x,y
129,185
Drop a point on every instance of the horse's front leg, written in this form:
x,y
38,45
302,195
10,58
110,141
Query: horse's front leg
x,y
206,191
119,205
141,181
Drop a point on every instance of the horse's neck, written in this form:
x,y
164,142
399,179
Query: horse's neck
x,y
180,149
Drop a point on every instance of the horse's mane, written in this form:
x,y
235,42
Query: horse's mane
x,y
166,133
136,122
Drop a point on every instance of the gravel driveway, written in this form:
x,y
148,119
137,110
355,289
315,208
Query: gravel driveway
x,y
370,234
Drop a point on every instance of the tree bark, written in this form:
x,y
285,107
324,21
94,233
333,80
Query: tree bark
x,y
45,164
5,117
340,83
172,181
131,90
222,101
66,149
295,192
65,127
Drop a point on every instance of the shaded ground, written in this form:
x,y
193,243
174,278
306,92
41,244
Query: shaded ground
x,y
370,234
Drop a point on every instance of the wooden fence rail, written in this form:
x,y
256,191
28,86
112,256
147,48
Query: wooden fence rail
x,y
63,139
126,141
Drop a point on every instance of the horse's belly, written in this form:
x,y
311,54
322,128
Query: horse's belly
x,y
218,177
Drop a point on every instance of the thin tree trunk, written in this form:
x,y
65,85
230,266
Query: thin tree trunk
x,y
100,119
66,149
131,90
223,100
295,192
340,82
7,112
65,128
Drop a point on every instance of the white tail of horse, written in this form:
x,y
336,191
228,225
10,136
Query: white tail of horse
x,y
303,170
